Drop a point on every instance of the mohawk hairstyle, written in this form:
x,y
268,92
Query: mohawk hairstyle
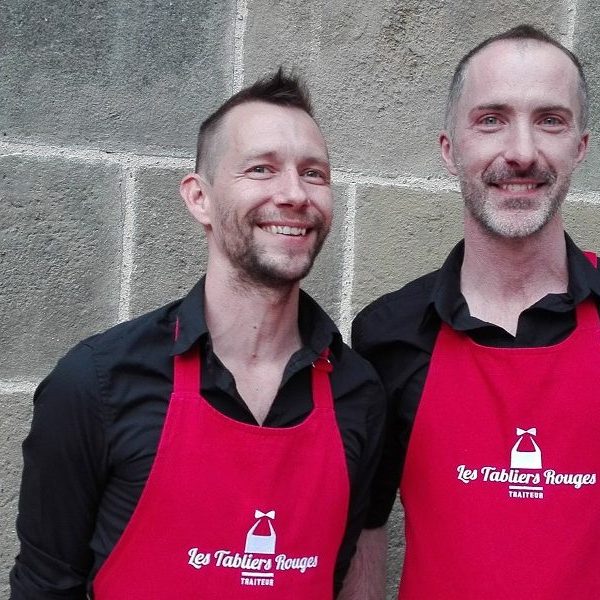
x,y
278,88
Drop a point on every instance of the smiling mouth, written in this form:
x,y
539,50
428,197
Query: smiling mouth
x,y
285,230
518,187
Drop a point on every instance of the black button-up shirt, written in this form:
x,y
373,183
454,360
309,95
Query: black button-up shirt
x,y
397,333
99,415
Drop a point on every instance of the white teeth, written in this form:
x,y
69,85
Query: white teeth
x,y
518,187
285,230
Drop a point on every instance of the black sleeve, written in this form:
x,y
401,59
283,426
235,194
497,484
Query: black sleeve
x,y
63,458
400,352
403,395
362,439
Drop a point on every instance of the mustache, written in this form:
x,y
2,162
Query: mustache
x,y
498,174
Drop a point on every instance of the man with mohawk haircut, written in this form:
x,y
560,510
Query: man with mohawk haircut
x,y
220,447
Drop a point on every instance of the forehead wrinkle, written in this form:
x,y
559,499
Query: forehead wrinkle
x,y
285,147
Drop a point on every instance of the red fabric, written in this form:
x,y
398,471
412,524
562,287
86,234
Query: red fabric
x,y
528,421
592,257
235,511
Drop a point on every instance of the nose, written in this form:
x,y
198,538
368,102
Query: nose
x,y
291,189
521,149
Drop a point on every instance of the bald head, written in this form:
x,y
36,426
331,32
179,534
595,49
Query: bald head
x,y
525,36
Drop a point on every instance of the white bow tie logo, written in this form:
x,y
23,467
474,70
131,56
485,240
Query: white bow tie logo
x,y
526,459
259,514
532,431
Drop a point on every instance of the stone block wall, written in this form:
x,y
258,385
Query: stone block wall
x,y
99,107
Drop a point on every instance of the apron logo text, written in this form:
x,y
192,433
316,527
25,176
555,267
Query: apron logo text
x,y
260,539
229,560
525,476
550,476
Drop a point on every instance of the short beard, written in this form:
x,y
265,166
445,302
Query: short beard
x,y
252,264
253,270
521,226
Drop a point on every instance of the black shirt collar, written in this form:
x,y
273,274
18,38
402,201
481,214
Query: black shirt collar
x,y
448,304
317,329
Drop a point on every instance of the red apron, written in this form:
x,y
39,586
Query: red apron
x,y
234,511
500,483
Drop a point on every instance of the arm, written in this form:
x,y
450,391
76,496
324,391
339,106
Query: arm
x,y
60,488
366,576
357,385
401,366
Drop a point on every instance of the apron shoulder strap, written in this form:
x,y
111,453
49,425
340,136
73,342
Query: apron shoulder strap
x,y
186,370
592,257
587,311
321,386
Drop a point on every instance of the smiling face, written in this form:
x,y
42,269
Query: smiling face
x,y
516,139
269,207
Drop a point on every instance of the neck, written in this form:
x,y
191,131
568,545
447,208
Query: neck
x,y
500,277
250,324
254,331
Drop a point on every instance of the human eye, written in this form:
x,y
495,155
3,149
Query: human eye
x,y
316,176
552,122
489,121
259,171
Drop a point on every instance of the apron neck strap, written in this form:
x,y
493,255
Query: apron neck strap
x,y
186,372
591,256
321,386
587,311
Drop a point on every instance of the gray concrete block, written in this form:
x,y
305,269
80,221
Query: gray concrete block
x,y
324,283
60,231
587,47
582,222
379,71
169,245
119,75
170,249
400,235
281,32
14,425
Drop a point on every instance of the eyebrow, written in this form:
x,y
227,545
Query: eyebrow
x,y
506,107
259,155
270,155
555,108
491,106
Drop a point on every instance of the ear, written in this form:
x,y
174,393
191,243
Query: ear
x,y
195,191
446,151
582,148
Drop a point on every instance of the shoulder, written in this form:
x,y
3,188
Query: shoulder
x,y
354,370
356,387
394,317
135,332
88,369
359,396
350,369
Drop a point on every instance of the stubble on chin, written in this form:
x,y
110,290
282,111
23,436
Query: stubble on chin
x,y
255,266
513,218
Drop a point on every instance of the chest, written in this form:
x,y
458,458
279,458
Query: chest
x,y
494,415
258,386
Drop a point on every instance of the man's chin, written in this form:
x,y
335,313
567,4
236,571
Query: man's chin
x,y
275,276
517,226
